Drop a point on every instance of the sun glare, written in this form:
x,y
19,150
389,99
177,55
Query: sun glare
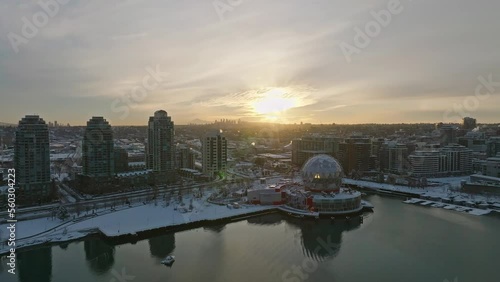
x,y
274,102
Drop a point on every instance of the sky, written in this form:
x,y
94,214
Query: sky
x,y
288,61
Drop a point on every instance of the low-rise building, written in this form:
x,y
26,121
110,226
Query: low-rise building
x,y
309,146
355,153
191,173
491,166
121,160
425,163
184,157
393,157
449,160
493,146
266,196
482,184
136,166
135,178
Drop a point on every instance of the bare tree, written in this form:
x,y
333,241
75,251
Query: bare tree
x,y
78,208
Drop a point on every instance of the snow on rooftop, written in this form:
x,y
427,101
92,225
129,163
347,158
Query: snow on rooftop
x,y
194,171
486,177
136,163
344,194
134,173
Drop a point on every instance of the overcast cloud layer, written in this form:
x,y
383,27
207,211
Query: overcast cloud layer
x,y
91,54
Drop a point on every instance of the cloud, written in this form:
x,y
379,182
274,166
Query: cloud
x,y
129,36
90,53
331,108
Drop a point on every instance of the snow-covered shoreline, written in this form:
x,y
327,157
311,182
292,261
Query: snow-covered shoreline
x,y
138,218
448,187
127,221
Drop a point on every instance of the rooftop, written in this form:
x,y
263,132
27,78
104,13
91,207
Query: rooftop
x,y
134,173
344,194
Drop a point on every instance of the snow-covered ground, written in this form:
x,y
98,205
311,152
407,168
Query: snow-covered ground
x,y
124,220
149,217
449,188
396,188
67,198
28,228
142,217
454,182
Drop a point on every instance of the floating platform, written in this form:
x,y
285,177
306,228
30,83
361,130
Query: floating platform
x,y
446,206
413,201
298,212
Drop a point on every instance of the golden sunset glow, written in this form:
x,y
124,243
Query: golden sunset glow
x,y
274,102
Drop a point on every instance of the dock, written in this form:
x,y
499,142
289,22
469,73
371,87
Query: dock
x,y
413,201
451,207
298,212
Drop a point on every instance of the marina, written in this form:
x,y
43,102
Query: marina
x,y
459,208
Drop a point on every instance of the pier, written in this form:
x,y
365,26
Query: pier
x,y
447,206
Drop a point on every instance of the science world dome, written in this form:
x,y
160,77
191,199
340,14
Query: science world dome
x,y
322,173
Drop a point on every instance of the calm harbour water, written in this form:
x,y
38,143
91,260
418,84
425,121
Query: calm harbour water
x,y
398,242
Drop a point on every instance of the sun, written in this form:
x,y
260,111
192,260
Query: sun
x,y
274,102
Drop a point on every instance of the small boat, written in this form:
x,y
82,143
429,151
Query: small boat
x,y
168,260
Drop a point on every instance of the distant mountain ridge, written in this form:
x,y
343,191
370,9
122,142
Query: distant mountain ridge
x,y
7,124
198,121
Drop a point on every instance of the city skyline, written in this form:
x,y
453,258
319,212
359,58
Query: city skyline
x,y
207,122
250,61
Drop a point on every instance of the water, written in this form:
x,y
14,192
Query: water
x,y
398,242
